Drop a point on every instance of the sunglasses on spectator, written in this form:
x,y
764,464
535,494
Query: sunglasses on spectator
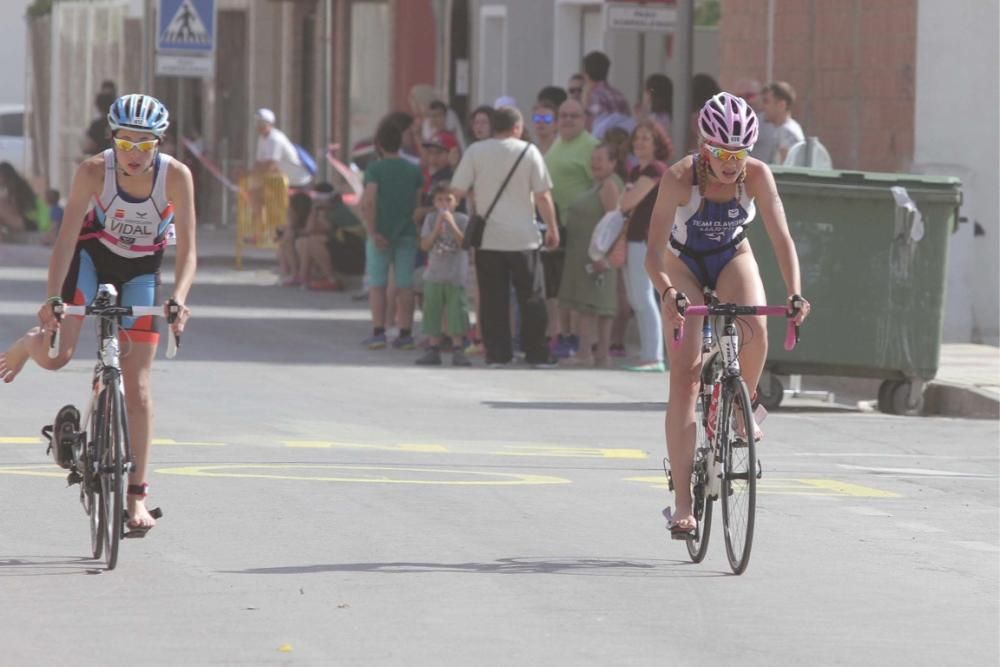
x,y
575,91
726,154
543,118
125,145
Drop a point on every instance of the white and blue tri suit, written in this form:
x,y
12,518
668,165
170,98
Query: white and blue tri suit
x,y
121,242
706,234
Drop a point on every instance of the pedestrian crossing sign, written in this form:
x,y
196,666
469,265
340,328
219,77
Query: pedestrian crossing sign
x,y
186,27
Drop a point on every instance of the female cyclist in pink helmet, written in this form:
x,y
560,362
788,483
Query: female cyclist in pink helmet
x,y
697,239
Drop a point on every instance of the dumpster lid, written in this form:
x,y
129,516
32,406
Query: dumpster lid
x,y
874,178
948,187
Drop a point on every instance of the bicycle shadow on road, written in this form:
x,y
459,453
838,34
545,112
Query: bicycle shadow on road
x,y
519,565
648,406
590,406
47,566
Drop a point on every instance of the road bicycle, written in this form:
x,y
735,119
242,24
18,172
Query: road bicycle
x,y
726,467
98,456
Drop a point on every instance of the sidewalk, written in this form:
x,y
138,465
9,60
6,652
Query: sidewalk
x,y
967,382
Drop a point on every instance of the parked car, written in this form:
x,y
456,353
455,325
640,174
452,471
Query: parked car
x,y
14,145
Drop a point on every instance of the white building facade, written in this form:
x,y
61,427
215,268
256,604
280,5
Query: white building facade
x,y
956,128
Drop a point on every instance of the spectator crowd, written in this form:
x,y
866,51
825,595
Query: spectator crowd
x,y
487,232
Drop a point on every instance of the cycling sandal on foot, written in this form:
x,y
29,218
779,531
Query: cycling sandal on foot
x,y
135,531
677,531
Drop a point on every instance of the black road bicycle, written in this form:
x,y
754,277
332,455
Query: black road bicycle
x,y
98,456
725,462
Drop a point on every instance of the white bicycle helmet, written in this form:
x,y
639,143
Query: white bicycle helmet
x,y
142,113
728,120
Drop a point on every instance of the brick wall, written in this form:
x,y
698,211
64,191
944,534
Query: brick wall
x,y
415,49
852,63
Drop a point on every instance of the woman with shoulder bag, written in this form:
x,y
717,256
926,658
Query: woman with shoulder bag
x,y
589,289
651,146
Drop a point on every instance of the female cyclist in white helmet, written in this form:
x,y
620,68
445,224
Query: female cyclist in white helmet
x,y
697,238
123,205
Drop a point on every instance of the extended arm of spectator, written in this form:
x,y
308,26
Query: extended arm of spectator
x,y
543,200
635,194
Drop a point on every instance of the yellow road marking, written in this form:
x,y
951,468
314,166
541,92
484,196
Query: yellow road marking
x,y
781,486
156,441
845,489
32,471
402,447
578,452
368,474
186,443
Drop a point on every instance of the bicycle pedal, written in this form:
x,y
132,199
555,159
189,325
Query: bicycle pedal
x,y
73,478
760,469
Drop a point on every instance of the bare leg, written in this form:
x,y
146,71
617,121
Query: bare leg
x,y
320,257
376,302
685,369
35,345
10,217
304,263
404,307
603,340
287,259
620,323
565,321
552,306
137,362
586,324
389,316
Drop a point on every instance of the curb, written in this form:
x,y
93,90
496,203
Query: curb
x,y
956,400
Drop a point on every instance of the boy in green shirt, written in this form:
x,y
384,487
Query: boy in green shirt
x,y
392,192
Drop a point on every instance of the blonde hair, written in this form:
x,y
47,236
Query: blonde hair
x,y
703,173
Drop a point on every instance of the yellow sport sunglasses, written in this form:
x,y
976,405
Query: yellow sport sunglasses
x,y
726,154
125,145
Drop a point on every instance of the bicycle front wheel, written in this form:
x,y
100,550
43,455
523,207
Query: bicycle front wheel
x,y
110,449
739,473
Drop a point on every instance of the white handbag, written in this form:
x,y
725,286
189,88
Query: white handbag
x,y
607,231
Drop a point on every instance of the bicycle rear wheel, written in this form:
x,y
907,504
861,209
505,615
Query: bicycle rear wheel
x,y
697,546
110,451
739,473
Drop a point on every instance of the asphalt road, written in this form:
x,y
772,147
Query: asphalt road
x,y
329,505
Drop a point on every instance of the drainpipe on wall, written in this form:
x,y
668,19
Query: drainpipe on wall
x,y
770,40
684,70
325,106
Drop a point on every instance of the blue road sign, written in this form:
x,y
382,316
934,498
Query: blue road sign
x,y
186,27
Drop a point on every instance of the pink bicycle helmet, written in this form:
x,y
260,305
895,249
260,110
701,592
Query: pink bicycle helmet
x,y
728,120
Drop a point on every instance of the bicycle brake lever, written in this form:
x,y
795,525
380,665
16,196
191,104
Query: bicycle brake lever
x,y
681,301
173,340
57,310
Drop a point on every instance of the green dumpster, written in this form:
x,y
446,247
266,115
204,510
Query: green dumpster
x,y
872,251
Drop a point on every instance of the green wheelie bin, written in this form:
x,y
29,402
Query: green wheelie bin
x,y
872,249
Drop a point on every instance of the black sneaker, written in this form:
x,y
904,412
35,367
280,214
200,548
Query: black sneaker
x,y
431,357
458,358
551,362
